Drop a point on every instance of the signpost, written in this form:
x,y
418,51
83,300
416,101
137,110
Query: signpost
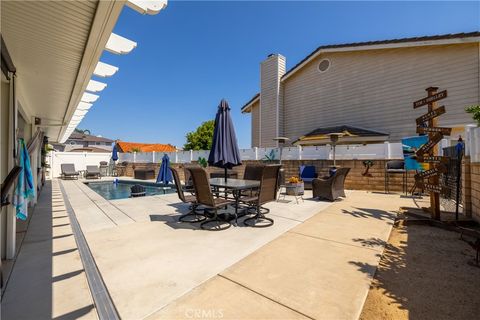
x,y
427,152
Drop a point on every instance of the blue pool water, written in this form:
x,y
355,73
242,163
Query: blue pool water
x,y
121,190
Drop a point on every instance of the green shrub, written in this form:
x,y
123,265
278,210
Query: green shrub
x,y
475,111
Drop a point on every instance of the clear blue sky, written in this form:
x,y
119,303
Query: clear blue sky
x,y
193,54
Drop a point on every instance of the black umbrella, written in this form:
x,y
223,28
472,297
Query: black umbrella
x,y
224,152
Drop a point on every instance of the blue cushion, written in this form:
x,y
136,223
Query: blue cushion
x,y
307,172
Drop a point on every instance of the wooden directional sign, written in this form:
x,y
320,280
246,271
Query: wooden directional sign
x,y
432,187
443,131
429,173
429,145
428,116
437,96
433,159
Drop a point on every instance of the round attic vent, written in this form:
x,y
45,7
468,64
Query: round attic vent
x,y
324,65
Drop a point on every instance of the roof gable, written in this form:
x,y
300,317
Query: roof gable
x,y
392,43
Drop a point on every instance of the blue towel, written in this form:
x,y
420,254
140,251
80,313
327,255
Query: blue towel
x,y
25,190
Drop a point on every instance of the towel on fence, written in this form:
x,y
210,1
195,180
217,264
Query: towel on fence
x,y
25,190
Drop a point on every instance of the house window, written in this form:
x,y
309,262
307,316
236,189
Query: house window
x,y
324,65
97,143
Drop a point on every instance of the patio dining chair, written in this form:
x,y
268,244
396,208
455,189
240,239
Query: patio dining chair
x,y
204,195
266,193
252,172
198,216
68,171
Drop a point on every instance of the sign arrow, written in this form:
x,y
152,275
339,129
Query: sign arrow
x,y
438,96
432,114
444,131
429,173
429,145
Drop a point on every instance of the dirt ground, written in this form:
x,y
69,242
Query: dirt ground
x,y
425,274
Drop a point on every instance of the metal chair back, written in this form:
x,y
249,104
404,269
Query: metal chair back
x,y
201,184
253,172
268,184
178,184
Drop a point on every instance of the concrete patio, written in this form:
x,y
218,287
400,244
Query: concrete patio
x,y
317,261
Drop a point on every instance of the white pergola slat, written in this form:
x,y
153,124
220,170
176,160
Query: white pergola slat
x,y
96,86
149,7
89,97
84,105
79,112
104,70
119,45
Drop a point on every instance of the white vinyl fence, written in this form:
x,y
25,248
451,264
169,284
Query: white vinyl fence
x,y
79,159
472,143
342,152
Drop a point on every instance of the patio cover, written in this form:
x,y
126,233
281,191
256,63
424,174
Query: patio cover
x,y
351,135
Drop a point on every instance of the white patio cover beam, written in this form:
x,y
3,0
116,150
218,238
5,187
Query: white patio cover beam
x,y
80,112
104,70
119,45
89,97
96,86
84,105
150,7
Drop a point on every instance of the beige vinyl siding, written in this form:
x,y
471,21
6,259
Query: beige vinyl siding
x,y
256,124
375,89
270,73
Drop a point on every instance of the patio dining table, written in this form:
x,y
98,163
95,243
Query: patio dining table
x,y
236,186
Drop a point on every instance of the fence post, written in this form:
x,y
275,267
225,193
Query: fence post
x,y
134,156
153,156
191,155
299,147
255,150
176,156
388,151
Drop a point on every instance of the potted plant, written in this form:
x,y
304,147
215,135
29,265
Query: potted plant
x,y
294,186
202,162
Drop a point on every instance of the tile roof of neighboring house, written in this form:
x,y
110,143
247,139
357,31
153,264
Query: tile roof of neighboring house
x,y
144,147
372,43
88,137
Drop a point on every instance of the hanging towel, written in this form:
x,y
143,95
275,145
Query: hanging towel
x,y
25,190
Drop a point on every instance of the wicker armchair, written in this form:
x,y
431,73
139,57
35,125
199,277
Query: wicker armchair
x,y
331,188
204,195
197,216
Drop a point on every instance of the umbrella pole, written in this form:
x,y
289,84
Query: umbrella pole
x,y
225,174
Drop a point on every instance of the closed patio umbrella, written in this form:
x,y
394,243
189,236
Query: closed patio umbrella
x,y
114,153
165,175
224,152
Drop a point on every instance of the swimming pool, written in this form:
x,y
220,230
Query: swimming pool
x,y
121,190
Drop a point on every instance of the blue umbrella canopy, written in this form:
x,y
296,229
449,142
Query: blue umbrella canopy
x,y
165,175
115,153
224,152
